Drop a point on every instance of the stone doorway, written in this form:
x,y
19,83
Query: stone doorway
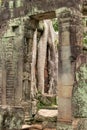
x,y
69,49
46,99
70,38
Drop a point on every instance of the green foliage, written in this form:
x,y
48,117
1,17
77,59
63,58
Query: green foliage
x,y
55,24
45,101
85,39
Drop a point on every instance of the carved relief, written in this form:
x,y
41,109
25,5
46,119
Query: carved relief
x,y
26,90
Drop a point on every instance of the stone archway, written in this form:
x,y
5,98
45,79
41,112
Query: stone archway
x,y
70,44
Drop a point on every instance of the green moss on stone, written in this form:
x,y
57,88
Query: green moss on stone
x,y
79,99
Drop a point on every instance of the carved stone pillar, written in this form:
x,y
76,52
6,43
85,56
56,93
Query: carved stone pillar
x,y
29,29
70,35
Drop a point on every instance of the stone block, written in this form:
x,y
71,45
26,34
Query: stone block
x,y
79,93
64,126
36,127
64,109
65,66
81,124
33,129
65,91
76,50
65,73
79,102
66,79
75,123
11,117
65,52
49,129
49,125
65,37
46,115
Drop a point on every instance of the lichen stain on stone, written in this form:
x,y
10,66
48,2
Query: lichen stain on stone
x,y
80,92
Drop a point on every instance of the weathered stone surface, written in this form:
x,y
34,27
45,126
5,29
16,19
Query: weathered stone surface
x,y
69,35
64,72
45,114
79,99
81,124
30,26
25,127
64,126
75,123
32,8
65,51
39,127
36,126
65,92
48,124
32,127
11,118
64,109
69,24
49,129
27,107
34,107
11,51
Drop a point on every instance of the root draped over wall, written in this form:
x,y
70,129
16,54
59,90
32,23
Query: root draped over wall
x,y
45,59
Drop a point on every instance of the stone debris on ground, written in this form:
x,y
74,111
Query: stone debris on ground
x,y
46,118
35,127
45,114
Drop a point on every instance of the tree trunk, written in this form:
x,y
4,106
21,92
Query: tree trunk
x,y
47,62
52,59
33,66
42,50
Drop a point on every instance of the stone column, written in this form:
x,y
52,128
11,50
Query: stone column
x,y
69,48
29,29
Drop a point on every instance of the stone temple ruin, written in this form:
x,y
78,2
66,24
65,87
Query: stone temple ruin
x,y
18,21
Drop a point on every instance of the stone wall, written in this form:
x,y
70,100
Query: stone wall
x,y
11,62
13,9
